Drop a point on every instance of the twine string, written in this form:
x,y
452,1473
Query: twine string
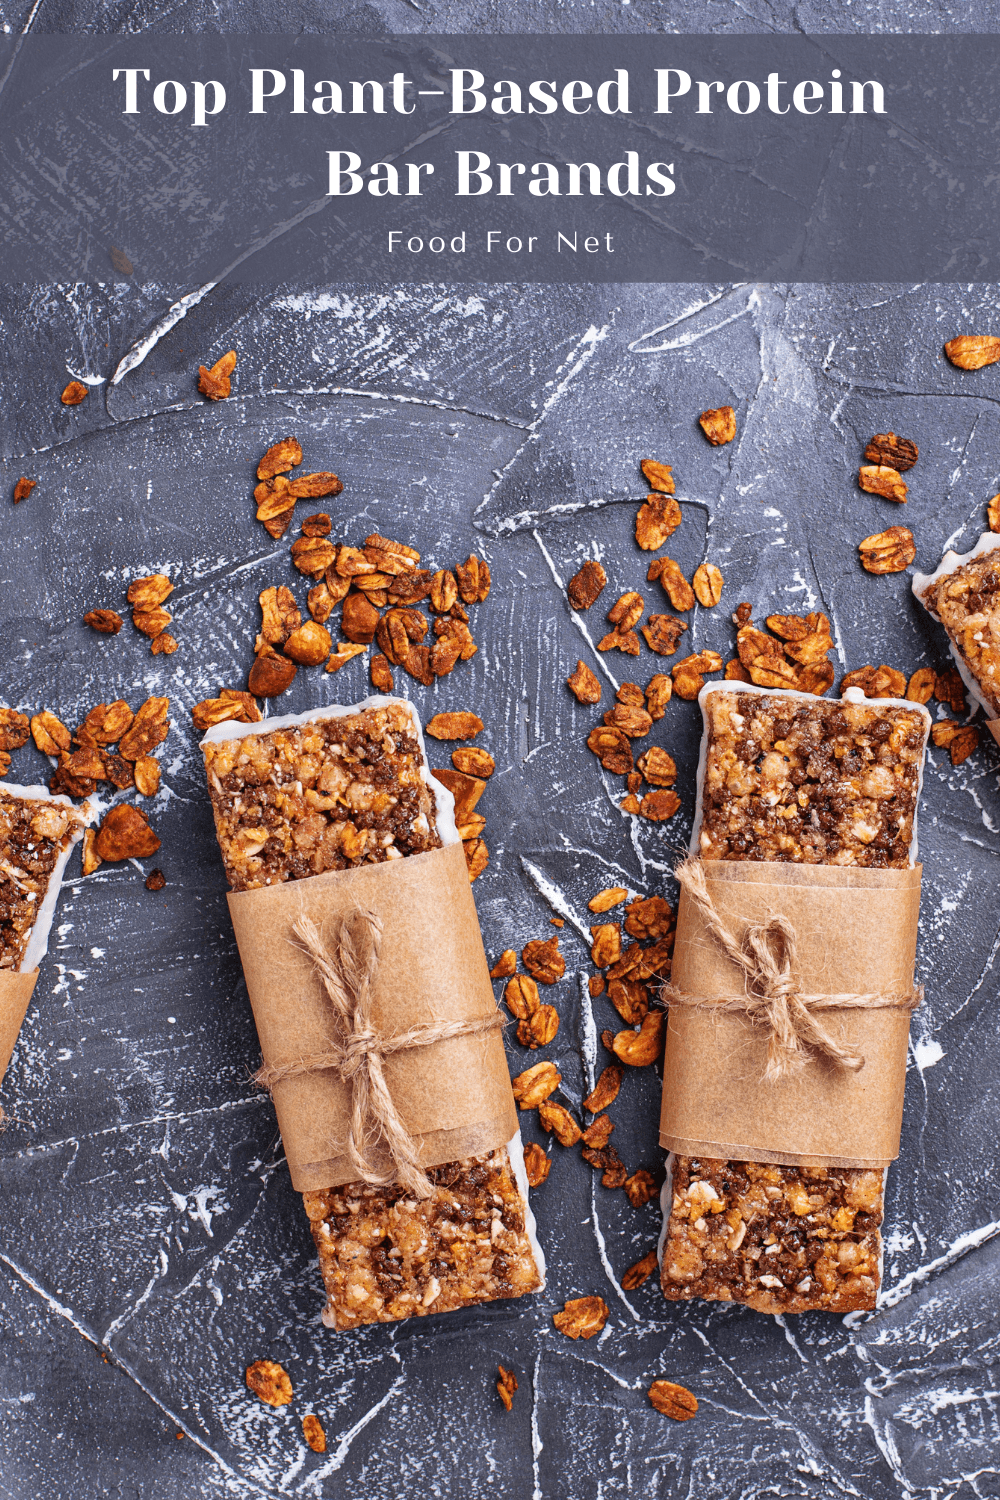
x,y
766,954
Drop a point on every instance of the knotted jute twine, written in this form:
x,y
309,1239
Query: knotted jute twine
x,y
346,968
767,955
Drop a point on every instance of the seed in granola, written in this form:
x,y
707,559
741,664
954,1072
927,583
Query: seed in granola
x,y
582,1317
314,487
888,451
640,1188
678,590
612,895
641,1048
707,584
155,880
149,728
279,458
473,761
718,424
15,728
359,620
960,740
505,965
477,857
608,1162
455,726
543,961
658,476
215,382
536,1084
612,749
506,1386
656,520
312,1431
672,1400
521,996
993,513
585,586
876,682
537,1165
971,351
344,653
269,1382
125,834
308,645
146,774
606,945
104,621
584,684
920,688
878,479
271,674
465,789
23,489
634,1277
605,1091
620,640
74,393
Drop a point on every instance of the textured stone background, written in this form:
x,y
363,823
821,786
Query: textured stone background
x,y
150,1242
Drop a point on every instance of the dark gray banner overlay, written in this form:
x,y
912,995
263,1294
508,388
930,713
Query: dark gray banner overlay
x,y
522,158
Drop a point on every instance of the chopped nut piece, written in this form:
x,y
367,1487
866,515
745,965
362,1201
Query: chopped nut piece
x,y
537,1165
649,918
876,682
381,674
658,476
658,806
49,733
312,1431
598,1132
736,671
359,620
949,688
640,1188
626,611
582,1317
151,622
506,1386
585,586
279,458
888,551
104,621
641,1048
662,633
147,593
280,615
472,827
149,729
312,555
993,513
271,674
643,1269
878,479
320,602
687,674
659,691
608,1162
888,451
218,711
147,776
308,645
163,644
543,961
659,768
473,580
125,834
155,880
678,590
656,520
707,584
673,1400
970,351
584,684
471,760
23,489
630,804
539,1029
960,741
465,789
718,424
215,382
477,857
612,748
454,726
606,947
920,688
521,997
630,693
536,1084
635,722
91,859
343,653
444,591
554,1118
620,640
612,895
314,486
268,1381
605,1091
74,393
274,500
595,985
84,764
506,964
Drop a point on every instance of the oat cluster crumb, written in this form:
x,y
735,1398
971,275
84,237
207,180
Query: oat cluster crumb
x,y
778,1239
384,1256
807,781
326,795
33,834
967,602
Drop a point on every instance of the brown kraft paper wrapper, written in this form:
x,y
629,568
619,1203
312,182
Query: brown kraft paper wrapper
x,y
993,725
15,997
857,933
453,1096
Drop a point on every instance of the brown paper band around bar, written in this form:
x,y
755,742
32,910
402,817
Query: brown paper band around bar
x,y
454,1096
993,725
15,997
857,934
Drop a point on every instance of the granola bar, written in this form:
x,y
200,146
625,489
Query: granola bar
x,y
330,790
37,834
964,594
789,777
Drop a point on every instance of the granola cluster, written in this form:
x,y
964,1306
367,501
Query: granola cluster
x,y
967,602
33,834
325,795
802,780
384,1256
778,1239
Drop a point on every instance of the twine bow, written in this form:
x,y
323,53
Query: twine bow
x,y
767,957
346,969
